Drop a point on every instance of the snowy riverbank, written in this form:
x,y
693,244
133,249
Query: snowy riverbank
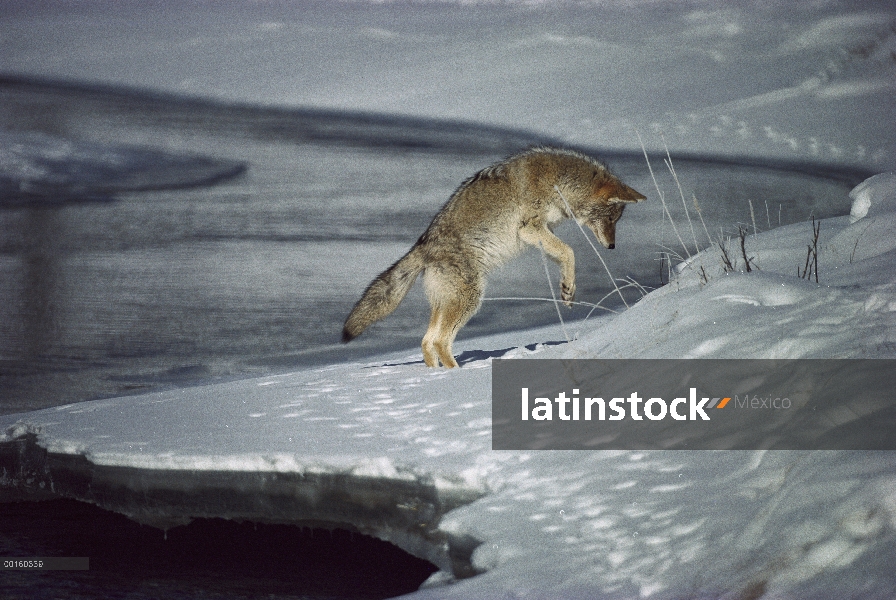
x,y
568,524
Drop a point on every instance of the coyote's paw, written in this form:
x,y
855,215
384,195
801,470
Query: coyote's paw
x,y
567,292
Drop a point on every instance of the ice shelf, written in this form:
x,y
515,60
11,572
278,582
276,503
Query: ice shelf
x,y
403,511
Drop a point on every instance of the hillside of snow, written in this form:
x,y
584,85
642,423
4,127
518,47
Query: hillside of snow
x,y
771,312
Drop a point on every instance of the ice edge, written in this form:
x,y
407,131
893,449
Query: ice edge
x,y
405,512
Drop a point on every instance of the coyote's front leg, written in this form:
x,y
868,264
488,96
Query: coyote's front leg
x,y
541,237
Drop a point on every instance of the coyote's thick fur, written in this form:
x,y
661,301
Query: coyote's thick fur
x,y
487,221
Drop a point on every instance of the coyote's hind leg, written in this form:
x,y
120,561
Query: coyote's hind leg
x,y
430,355
454,299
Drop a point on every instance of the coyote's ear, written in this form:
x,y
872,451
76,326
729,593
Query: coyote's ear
x,y
627,196
626,200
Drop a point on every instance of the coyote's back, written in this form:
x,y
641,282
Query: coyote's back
x,y
489,219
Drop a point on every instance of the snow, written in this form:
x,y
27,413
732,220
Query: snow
x,y
873,196
809,81
798,81
770,313
639,524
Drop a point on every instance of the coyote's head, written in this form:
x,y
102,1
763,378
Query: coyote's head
x,y
609,198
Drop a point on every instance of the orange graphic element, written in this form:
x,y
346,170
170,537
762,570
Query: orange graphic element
x,y
723,402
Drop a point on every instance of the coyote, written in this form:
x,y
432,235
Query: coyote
x,y
486,222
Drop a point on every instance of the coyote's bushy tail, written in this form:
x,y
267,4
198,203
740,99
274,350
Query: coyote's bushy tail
x,y
384,294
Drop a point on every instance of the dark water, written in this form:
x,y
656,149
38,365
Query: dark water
x,y
111,285
209,558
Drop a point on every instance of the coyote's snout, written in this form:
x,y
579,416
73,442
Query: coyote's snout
x,y
487,221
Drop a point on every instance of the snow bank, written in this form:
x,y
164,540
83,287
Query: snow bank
x,y
552,524
771,312
876,195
